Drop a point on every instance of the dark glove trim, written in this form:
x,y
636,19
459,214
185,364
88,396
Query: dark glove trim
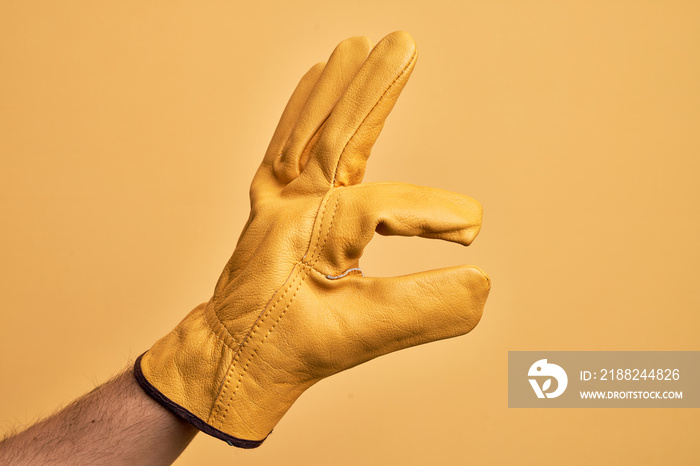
x,y
181,412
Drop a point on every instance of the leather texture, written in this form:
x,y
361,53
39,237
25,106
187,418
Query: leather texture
x,y
292,306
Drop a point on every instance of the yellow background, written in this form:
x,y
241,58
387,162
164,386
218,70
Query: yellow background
x,y
130,130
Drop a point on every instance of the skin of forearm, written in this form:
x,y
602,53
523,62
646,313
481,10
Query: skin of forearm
x,y
115,424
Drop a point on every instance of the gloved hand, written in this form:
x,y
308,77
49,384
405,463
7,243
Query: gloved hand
x,y
292,305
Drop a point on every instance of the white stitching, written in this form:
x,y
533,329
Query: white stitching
x,y
331,277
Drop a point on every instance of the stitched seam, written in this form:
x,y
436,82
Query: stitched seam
x,y
255,351
214,321
403,71
229,372
328,232
239,346
320,225
219,411
288,282
216,326
311,265
345,274
221,415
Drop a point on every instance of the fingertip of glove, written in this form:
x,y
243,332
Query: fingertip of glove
x,y
484,276
400,39
479,285
476,280
469,234
358,44
316,69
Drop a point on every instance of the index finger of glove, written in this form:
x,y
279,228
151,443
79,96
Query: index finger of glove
x,y
339,156
391,208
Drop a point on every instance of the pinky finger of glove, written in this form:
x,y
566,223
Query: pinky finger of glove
x,y
291,112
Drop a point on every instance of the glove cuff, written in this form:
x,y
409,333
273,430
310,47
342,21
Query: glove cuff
x,y
184,371
186,415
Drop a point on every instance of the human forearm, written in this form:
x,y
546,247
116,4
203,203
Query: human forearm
x,y
116,423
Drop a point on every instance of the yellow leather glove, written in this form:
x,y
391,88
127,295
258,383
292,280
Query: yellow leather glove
x,y
292,306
